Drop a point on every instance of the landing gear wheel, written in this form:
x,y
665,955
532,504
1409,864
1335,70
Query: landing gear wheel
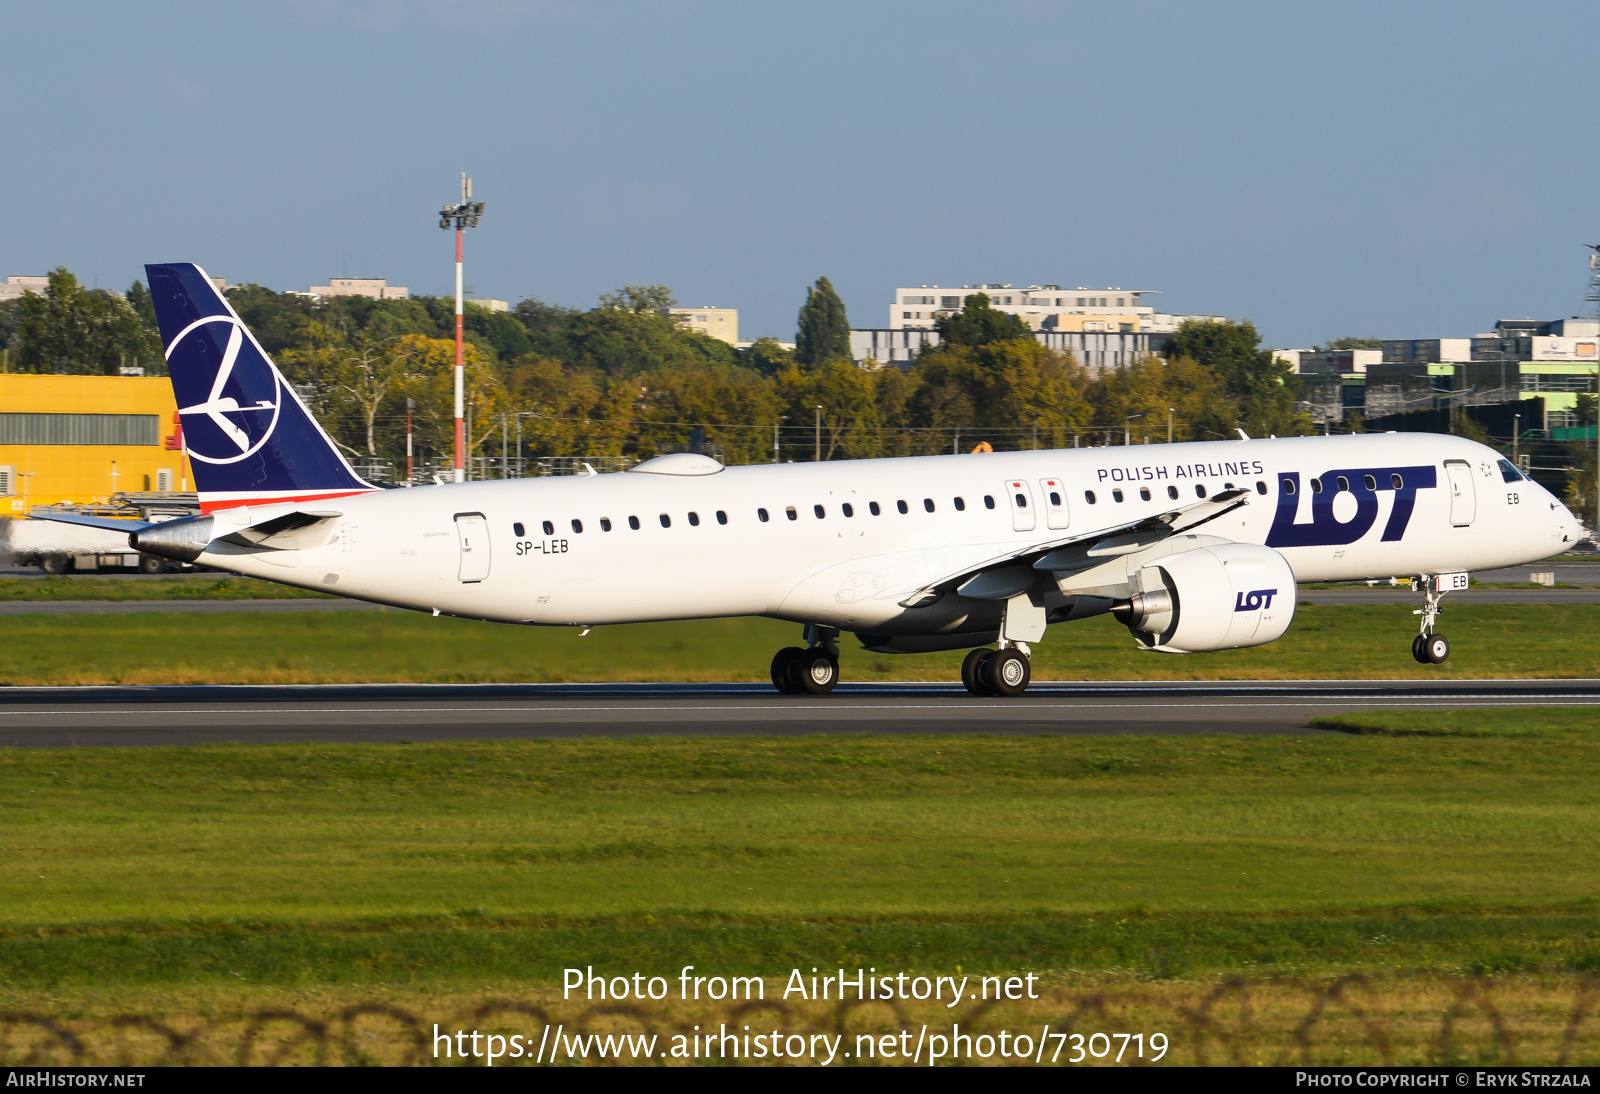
x,y
814,671
1008,672
1419,649
969,672
1437,649
150,564
53,564
780,670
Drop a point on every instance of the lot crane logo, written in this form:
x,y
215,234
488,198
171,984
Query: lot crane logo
x,y
236,416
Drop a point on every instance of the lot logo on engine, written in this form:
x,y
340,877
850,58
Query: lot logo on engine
x,y
1255,598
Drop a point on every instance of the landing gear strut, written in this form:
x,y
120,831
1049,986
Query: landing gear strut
x,y
810,671
1427,647
1005,671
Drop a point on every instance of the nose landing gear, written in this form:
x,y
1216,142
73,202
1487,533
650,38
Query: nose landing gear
x,y
810,671
1429,648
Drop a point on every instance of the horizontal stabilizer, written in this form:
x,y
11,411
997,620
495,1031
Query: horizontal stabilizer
x,y
110,524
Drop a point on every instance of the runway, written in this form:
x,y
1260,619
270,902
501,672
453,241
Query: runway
x,y
83,717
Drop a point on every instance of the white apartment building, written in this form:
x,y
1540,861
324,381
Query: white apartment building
x,y
18,284
1042,307
720,323
378,288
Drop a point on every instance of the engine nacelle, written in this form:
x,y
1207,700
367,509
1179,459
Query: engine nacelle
x,y
1222,597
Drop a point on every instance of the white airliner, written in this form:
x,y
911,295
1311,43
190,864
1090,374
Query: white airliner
x,y
1195,547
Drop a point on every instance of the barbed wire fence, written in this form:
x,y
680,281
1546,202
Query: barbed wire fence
x,y
1351,1020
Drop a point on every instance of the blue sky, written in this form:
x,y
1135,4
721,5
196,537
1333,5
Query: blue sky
x,y
1394,169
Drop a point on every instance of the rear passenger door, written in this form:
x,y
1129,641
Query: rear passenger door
x,y
1053,495
1023,517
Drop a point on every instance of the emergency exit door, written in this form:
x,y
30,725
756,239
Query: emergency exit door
x,y
1463,498
472,532
1023,517
1053,497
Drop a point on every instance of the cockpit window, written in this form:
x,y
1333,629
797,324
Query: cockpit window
x,y
1509,472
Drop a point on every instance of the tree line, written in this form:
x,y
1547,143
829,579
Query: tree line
x,y
625,379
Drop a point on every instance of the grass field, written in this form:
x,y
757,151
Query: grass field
x,y
1556,640
198,883
190,587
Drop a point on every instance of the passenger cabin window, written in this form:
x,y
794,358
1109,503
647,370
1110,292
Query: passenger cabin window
x,y
961,505
1261,487
902,506
1116,495
1288,486
633,522
761,515
1055,499
872,507
819,511
1316,486
847,509
549,529
790,513
666,521
1199,489
1022,501
1398,483
1344,483
518,531
694,520
1371,483
1144,493
927,503
577,525
605,524
1172,492
988,501
1088,496
722,518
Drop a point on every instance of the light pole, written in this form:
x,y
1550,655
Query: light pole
x,y
465,215
819,431
1127,434
411,406
1169,425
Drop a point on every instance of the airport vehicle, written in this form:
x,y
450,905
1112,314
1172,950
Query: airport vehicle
x,y
56,547
1194,547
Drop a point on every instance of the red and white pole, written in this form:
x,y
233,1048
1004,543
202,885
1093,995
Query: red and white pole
x,y
461,465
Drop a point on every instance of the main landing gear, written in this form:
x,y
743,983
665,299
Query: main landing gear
x,y
1005,671
1430,648
810,671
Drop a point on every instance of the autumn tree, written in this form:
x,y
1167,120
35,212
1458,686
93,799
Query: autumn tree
x,y
1260,388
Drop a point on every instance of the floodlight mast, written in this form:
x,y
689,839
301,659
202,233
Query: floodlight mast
x,y
465,215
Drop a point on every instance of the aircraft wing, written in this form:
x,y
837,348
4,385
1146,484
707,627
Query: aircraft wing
x,y
1006,575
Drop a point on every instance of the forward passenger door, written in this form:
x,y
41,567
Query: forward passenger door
x,y
1463,497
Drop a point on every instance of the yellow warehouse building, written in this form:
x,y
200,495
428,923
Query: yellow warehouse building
x,y
82,439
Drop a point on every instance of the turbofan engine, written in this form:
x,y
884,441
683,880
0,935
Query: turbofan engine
x,y
1221,597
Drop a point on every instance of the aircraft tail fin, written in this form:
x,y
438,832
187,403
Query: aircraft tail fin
x,y
250,439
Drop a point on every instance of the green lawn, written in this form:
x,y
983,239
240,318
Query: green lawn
x,y
190,587
1556,640
504,862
